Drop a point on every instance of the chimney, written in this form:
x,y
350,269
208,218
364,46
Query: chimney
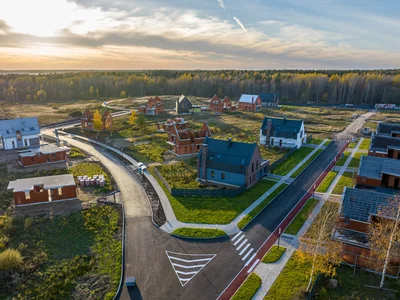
x,y
204,150
284,120
252,99
230,142
269,128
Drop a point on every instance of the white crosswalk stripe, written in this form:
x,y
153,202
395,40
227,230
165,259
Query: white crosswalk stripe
x,y
186,266
248,253
238,240
243,247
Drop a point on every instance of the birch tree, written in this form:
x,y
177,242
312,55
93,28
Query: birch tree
x,y
384,237
318,245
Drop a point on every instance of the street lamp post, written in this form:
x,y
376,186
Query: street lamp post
x,y
279,236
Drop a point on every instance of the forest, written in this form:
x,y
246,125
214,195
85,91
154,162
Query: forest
x,y
294,86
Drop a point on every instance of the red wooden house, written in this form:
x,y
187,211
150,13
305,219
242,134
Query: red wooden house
x,y
154,106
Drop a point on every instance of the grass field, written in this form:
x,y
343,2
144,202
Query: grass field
x,y
76,153
76,255
90,169
346,180
301,217
286,166
180,175
274,254
315,141
341,161
323,187
354,287
215,210
355,161
327,142
305,165
353,144
247,218
248,288
201,233
365,144
292,281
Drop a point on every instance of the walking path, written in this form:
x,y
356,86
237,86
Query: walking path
x,y
269,272
172,222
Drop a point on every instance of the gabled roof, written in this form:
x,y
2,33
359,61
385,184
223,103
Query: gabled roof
x,y
245,98
48,182
387,127
226,99
183,98
26,126
282,127
223,154
373,167
86,113
359,204
157,99
381,142
215,97
269,97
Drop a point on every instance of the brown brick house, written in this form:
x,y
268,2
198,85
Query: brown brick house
x,y
87,120
386,141
221,105
154,106
183,140
43,189
42,154
250,103
378,171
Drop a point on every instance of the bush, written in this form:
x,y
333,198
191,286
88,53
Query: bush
x,y
249,288
202,233
274,254
76,153
10,259
75,114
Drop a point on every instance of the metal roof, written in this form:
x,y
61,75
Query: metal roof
x,y
26,126
44,149
184,98
245,98
282,127
387,127
373,167
359,205
269,97
381,142
48,182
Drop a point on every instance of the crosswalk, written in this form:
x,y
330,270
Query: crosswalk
x,y
243,247
186,266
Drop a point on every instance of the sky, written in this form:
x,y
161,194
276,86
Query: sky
x,y
201,34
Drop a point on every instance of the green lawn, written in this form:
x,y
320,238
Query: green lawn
x,y
274,254
315,141
303,166
327,142
354,287
215,210
247,218
346,180
365,144
343,158
292,281
180,175
355,161
323,187
76,153
249,288
301,217
66,255
286,166
202,233
353,144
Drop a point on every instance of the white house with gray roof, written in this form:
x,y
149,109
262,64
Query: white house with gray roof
x,y
19,133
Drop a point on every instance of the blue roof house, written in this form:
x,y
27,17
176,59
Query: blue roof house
x,y
230,164
282,132
19,133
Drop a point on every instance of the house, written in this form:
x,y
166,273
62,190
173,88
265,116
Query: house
x,y
282,132
19,133
41,154
87,120
183,140
221,105
386,141
43,189
230,164
183,105
250,103
378,171
154,106
360,208
270,100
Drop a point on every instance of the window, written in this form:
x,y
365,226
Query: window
x,y
301,134
222,175
212,174
252,167
27,195
272,141
26,142
280,143
13,144
257,165
250,179
19,137
59,191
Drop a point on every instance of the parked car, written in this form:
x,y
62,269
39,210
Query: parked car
x,y
130,281
354,139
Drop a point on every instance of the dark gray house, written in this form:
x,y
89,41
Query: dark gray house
x,y
183,105
231,164
269,100
386,141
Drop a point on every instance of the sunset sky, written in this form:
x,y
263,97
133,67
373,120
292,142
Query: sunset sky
x,y
208,34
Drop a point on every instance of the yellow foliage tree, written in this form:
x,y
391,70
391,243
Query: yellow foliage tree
x,y
97,121
133,117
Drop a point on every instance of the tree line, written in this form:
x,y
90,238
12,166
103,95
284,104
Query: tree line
x,y
294,86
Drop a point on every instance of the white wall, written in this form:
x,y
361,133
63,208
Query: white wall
x,y
8,141
286,143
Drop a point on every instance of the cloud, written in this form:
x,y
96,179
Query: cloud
x,y
221,4
240,24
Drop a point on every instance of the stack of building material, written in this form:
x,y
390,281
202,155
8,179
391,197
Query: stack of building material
x,y
95,180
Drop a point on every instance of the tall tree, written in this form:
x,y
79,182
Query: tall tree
x,y
122,94
384,237
141,122
97,121
133,117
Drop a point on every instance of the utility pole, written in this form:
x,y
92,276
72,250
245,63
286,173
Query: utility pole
x,y
279,236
